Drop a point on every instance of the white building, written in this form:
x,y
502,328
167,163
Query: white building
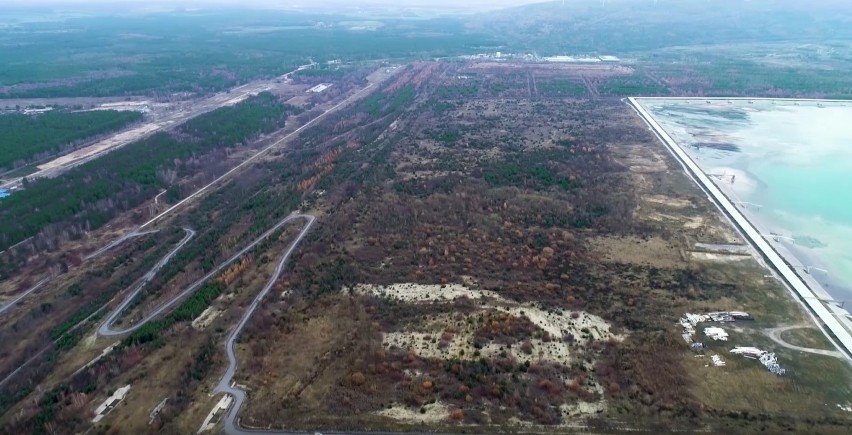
x,y
110,403
576,59
319,88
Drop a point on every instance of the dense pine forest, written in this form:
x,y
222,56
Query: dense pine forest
x,y
24,137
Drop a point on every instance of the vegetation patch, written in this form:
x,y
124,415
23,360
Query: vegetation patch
x,y
27,137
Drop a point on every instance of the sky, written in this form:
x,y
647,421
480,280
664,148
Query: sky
x,y
456,4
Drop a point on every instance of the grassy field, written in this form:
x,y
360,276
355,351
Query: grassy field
x,y
807,337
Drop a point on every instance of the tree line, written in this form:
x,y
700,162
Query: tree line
x,y
24,137
88,196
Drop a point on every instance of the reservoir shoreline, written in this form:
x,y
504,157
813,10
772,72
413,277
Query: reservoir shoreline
x,y
810,293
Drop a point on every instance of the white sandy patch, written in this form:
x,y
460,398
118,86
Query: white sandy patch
x,y
691,223
558,325
582,408
435,412
427,340
667,201
90,340
409,292
585,408
206,318
421,343
712,256
451,336
461,347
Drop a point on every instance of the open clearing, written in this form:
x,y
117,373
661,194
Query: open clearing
x,y
564,329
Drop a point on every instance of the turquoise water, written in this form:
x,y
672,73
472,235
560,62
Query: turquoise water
x,y
794,160
809,190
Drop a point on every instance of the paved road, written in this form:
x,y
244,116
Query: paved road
x,y
842,337
139,231
106,328
45,280
26,293
41,283
118,241
775,335
178,117
231,426
255,156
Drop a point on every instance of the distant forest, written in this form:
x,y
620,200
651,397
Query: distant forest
x,y
24,137
85,196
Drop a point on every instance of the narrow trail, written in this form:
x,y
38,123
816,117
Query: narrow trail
x,y
231,425
534,85
593,91
775,335
529,85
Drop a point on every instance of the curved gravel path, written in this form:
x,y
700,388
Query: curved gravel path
x,y
775,335
118,241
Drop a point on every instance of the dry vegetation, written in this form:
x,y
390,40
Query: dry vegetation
x,y
560,205
498,248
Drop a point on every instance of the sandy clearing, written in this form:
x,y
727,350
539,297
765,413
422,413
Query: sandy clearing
x,y
689,222
653,251
435,412
667,201
713,256
565,329
558,325
117,140
206,318
585,408
410,292
461,347
582,408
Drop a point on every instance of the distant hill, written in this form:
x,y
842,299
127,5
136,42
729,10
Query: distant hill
x,y
578,26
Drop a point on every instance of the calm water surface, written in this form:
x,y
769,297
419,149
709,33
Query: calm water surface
x,y
792,159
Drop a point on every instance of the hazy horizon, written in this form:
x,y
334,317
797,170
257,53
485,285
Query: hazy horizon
x,y
275,4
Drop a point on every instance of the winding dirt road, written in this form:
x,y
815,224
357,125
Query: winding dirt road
x,y
775,335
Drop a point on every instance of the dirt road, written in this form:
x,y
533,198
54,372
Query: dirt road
x,y
775,335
